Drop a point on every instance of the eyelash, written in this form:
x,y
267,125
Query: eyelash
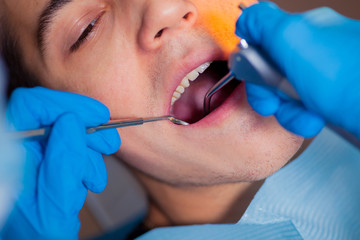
x,y
85,34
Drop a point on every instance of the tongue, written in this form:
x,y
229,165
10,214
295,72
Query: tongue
x,y
190,106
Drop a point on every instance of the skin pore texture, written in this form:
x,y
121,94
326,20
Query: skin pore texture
x,y
132,61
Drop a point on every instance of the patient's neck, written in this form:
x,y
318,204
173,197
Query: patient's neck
x,y
171,205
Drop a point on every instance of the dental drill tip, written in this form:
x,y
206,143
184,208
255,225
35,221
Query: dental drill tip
x,y
243,44
242,6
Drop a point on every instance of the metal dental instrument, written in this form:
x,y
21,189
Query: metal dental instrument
x,y
44,132
250,64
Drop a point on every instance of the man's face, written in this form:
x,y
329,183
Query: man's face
x,y
132,55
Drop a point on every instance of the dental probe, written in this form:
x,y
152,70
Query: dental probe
x,y
44,132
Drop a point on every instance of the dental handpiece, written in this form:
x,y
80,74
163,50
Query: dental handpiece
x,y
44,132
250,64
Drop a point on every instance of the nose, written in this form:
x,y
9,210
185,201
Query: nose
x,y
163,19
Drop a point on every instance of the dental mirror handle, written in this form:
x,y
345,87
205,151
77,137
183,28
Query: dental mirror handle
x,y
45,131
42,133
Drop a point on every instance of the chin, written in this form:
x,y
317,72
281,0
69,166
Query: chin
x,y
212,155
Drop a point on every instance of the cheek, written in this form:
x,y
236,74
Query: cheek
x,y
122,89
127,95
219,20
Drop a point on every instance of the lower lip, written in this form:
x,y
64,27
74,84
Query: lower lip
x,y
224,110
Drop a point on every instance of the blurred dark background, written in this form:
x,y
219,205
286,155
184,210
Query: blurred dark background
x,y
350,8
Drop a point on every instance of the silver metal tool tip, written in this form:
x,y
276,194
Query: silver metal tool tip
x,y
177,121
242,6
243,44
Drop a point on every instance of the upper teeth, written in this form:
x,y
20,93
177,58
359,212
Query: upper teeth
x,y
185,83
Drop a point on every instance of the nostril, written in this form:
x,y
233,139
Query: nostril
x,y
159,33
186,16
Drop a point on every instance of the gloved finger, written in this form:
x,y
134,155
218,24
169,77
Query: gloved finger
x,y
60,183
257,22
262,100
266,25
35,107
32,159
296,119
105,141
95,178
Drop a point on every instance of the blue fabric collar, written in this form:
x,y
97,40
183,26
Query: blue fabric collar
x,y
317,196
319,192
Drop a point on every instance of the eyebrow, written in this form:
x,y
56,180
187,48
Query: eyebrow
x,y
46,19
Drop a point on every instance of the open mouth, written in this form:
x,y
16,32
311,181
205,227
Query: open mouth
x,y
188,99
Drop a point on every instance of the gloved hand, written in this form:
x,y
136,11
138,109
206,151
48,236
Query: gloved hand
x,y
59,170
318,51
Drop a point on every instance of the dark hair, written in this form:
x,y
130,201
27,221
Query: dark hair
x,y
18,74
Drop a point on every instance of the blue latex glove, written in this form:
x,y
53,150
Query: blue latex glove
x,y
61,169
318,51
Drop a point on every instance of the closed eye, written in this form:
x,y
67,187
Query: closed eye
x,y
85,34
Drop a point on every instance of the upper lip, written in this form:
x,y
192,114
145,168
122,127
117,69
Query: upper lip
x,y
189,63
